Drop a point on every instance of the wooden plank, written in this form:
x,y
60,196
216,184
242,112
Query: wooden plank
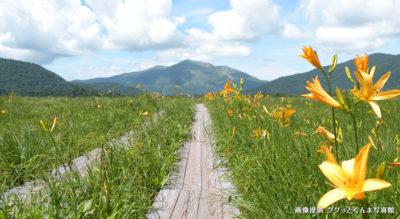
x,y
192,176
164,203
177,177
198,188
208,207
186,205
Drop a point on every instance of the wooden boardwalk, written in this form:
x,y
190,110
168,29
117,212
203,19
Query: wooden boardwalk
x,y
198,189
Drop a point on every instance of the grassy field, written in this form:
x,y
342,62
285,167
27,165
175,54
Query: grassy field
x,y
272,160
124,183
275,166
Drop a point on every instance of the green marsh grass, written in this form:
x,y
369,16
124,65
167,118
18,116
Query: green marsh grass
x,y
25,148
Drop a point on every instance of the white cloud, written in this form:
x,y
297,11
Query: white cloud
x,y
138,24
348,39
246,20
227,50
350,13
291,32
106,67
183,53
95,71
205,52
41,30
199,13
209,44
203,46
352,25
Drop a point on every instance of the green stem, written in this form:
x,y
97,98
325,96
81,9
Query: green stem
x,y
335,133
328,79
378,141
355,130
56,152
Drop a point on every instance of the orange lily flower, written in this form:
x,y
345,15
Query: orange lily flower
x,y
257,132
319,94
370,93
310,55
349,179
286,113
328,153
300,133
361,63
230,112
261,133
283,115
227,88
209,96
328,135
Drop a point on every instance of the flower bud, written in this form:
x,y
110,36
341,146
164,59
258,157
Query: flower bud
x,y
372,173
339,95
235,87
381,171
333,65
349,75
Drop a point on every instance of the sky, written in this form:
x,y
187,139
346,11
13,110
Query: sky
x,y
82,39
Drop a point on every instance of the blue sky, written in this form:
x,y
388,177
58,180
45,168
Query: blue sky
x,y
81,39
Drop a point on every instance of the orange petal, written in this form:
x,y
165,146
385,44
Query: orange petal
x,y
381,82
290,112
334,173
387,95
360,165
375,184
356,93
331,197
328,154
375,108
348,166
393,164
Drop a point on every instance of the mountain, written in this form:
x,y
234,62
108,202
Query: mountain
x,y
294,84
26,78
106,87
193,77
